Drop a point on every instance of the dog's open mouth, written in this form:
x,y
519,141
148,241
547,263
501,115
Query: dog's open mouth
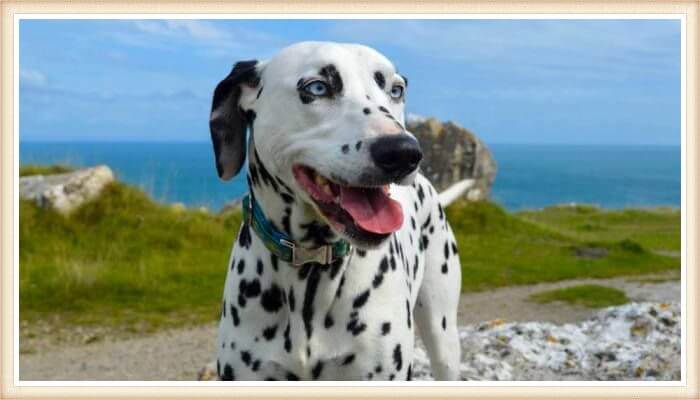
x,y
367,212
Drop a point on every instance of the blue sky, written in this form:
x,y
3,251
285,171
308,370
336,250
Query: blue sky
x,y
510,81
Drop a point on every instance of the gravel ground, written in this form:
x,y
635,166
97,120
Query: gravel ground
x,y
179,354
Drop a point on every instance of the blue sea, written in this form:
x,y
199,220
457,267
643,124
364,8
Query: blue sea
x,y
529,176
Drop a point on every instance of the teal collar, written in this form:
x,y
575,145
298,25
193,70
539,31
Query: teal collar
x,y
283,246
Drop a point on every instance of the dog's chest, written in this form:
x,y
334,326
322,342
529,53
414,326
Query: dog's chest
x,y
349,320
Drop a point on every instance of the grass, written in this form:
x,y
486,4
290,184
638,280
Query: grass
x,y
31,169
501,249
592,296
124,260
653,229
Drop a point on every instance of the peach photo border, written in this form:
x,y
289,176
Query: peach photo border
x,y
11,388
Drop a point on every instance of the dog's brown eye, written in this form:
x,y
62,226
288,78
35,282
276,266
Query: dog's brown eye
x,y
396,92
316,88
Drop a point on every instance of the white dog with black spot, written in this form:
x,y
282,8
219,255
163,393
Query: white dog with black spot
x,y
344,248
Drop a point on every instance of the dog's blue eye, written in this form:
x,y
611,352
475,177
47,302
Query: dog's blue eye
x,y
396,92
316,88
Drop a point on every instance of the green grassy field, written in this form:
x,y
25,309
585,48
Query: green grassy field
x,y
593,296
127,261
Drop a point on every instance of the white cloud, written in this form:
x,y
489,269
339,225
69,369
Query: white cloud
x,y
33,78
194,29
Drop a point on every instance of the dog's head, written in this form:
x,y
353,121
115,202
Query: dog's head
x,y
328,121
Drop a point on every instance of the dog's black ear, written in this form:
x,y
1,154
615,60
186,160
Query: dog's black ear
x,y
228,121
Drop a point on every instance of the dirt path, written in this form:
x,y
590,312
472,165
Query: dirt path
x,y
179,354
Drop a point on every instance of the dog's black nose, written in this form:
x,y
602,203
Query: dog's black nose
x,y
396,155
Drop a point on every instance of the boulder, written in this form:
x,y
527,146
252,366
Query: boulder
x,y
65,192
453,154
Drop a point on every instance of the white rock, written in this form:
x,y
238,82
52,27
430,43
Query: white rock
x,y
65,192
636,341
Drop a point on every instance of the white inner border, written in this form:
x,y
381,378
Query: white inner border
x,y
553,16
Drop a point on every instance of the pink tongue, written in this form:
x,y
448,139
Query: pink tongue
x,y
372,209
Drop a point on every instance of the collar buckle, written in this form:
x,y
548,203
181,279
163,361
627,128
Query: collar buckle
x,y
300,255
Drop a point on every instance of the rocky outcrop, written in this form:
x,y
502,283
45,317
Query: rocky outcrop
x,y
65,192
452,154
635,341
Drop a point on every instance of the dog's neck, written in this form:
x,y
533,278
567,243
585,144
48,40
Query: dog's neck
x,y
316,286
285,211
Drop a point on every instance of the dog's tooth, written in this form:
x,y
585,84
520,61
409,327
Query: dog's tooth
x,y
327,189
320,181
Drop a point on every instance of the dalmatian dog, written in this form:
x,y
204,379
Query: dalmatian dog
x,y
344,249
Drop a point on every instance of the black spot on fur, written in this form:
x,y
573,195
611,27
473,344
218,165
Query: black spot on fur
x,y
234,315
273,261
345,149
355,326
379,277
361,299
358,145
271,299
454,248
244,236
360,252
249,289
444,268
386,328
286,224
379,78
287,198
270,332
287,340
317,234
413,223
444,323
335,268
383,109
421,194
378,369
446,250
259,92
409,373
340,286
267,178
260,267
292,377
228,373
366,110
255,366
408,313
317,370
246,358
307,311
349,359
292,299
333,78
328,321
398,362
